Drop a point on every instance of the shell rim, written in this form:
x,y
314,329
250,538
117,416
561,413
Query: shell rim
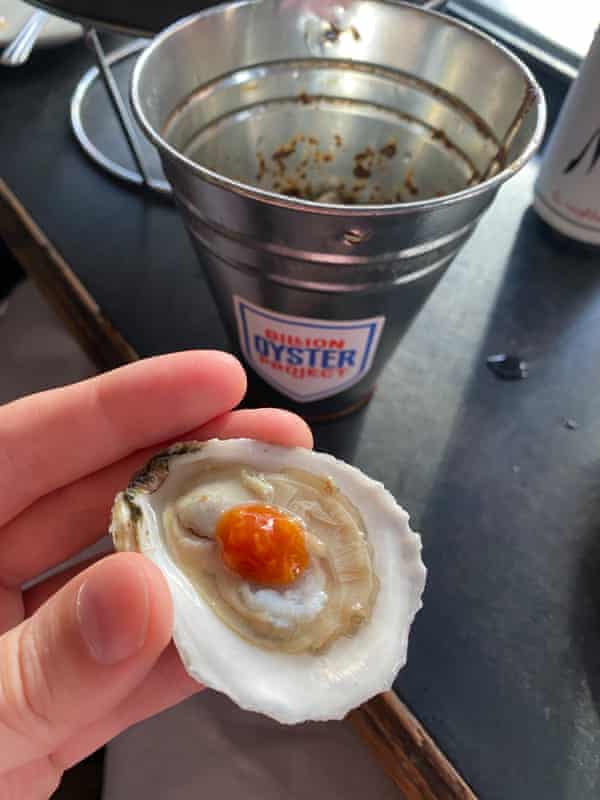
x,y
150,478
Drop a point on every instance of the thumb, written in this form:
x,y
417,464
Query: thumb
x,y
80,654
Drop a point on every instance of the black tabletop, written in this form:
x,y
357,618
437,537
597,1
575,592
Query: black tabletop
x,y
145,17
502,478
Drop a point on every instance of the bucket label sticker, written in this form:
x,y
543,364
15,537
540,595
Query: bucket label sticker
x,y
305,358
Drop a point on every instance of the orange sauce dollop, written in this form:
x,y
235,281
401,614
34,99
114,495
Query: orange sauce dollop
x,y
262,544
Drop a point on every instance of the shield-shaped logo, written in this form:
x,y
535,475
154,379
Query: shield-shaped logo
x,y
305,358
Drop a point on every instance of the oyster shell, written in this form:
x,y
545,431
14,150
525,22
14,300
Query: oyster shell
x,y
312,643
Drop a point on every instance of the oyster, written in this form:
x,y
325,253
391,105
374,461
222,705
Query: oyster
x,y
295,578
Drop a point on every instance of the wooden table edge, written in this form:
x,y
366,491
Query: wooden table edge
x,y
403,747
61,288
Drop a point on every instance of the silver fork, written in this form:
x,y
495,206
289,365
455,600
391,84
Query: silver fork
x,y
19,50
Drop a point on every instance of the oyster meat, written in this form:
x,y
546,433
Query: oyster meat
x,y
295,577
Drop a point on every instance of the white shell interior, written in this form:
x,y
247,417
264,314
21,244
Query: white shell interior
x,y
295,687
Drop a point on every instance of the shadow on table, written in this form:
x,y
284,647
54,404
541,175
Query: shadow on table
x,y
84,780
586,589
492,669
340,437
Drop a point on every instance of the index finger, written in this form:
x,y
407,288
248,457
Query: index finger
x,y
50,439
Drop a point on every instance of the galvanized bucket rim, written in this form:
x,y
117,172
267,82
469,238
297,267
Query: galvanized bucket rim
x,y
294,203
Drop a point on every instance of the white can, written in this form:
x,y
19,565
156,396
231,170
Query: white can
x,y
567,192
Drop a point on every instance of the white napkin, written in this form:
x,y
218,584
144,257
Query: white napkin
x,y
207,748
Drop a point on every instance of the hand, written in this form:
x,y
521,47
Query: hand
x,y
86,653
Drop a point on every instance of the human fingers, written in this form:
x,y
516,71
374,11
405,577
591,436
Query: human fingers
x,y
11,608
80,655
271,425
39,593
165,686
71,518
52,438
167,683
36,780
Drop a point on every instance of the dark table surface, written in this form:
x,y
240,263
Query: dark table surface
x,y
504,661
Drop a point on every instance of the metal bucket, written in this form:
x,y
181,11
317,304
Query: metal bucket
x,y
329,163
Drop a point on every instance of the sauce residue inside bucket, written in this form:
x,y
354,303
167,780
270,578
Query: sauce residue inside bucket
x,y
333,132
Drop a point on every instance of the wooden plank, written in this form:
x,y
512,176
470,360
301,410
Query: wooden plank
x,y
59,285
407,752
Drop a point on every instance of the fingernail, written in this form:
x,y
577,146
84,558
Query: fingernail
x,y
113,610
